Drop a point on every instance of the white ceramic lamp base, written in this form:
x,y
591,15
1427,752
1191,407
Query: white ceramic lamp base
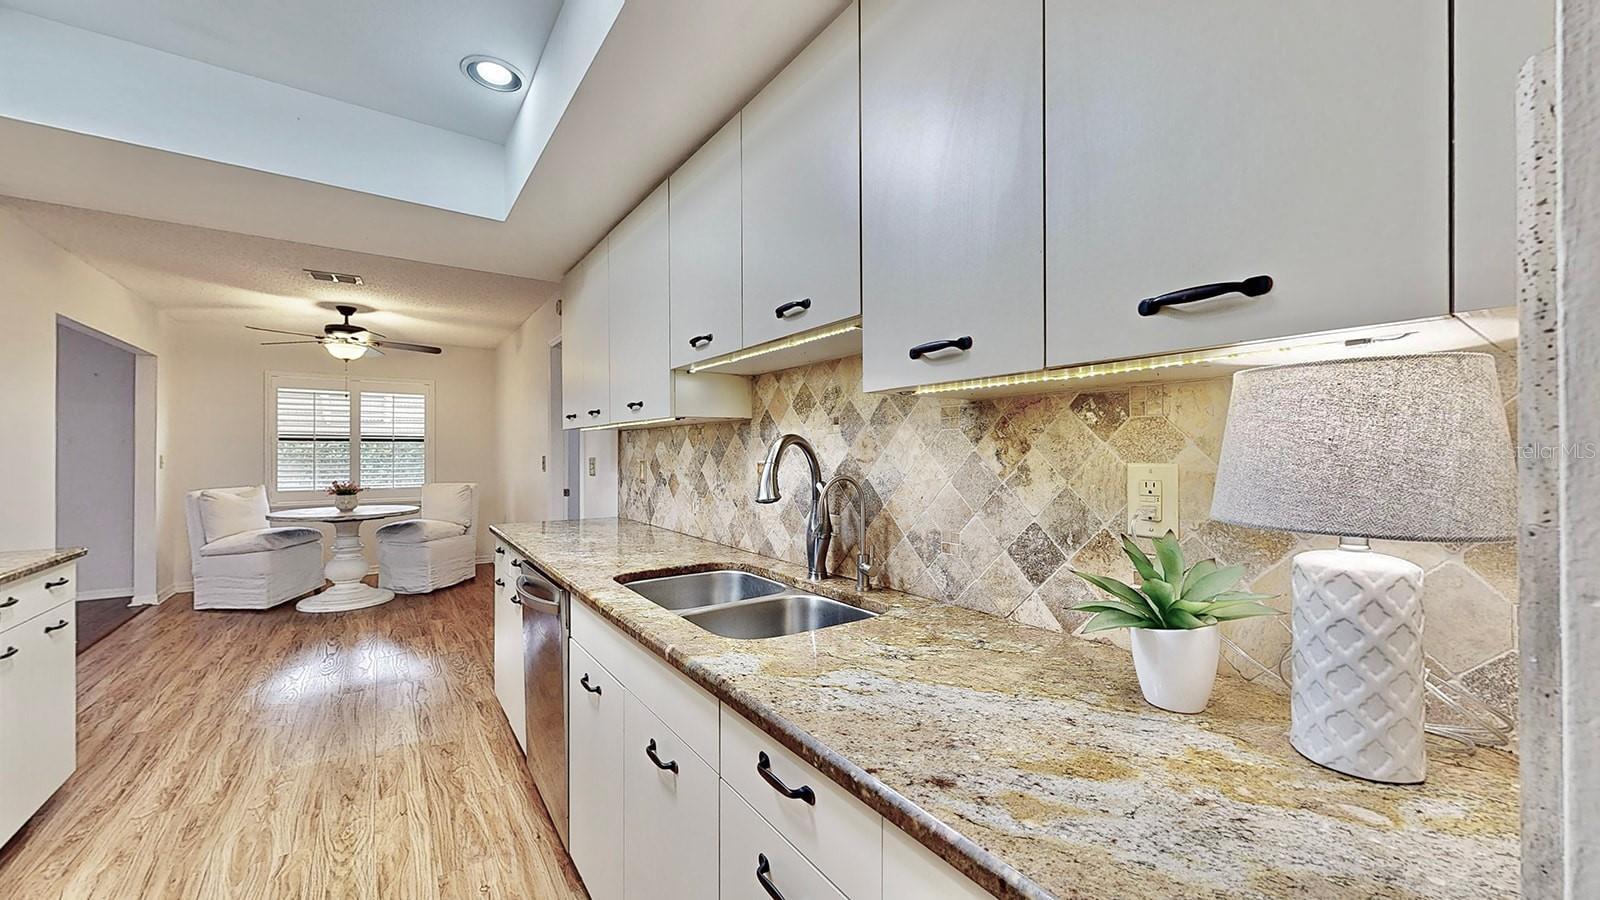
x,y
1357,694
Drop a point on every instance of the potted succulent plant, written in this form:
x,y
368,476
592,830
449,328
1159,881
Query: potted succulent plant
x,y
1173,615
344,495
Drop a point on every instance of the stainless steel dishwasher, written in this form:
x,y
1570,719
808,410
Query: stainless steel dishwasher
x,y
545,625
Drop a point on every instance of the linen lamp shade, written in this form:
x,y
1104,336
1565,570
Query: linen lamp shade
x,y
1405,448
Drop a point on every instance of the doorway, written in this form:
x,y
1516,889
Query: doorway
x,y
105,398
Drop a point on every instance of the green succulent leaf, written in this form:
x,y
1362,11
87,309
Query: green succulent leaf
x,y
1106,621
1160,592
1141,561
1114,606
1113,587
1197,571
1171,558
1211,584
1182,619
1229,611
1232,596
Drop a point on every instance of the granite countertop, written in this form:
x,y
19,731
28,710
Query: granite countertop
x,y
19,564
1029,760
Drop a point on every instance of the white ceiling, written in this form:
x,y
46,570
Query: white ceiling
x,y
667,75
400,57
217,277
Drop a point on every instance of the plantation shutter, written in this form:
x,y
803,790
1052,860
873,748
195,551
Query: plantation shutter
x,y
393,440
313,446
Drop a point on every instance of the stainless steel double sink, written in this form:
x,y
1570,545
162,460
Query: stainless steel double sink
x,y
741,605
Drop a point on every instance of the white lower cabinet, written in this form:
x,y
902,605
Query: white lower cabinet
x,y
757,861
669,829
38,710
594,773
912,870
508,683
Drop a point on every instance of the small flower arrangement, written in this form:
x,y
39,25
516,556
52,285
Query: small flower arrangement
x,y
1172,617
344,495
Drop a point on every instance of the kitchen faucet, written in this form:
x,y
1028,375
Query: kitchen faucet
x,y
819,525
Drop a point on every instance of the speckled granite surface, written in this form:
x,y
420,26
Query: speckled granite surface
x,y
18,564
1029,761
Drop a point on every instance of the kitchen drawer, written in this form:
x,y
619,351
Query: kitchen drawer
x,y
23,599
684,706
749,846
912,870
837,832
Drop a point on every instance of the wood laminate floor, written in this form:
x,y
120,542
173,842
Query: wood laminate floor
x,y
277,754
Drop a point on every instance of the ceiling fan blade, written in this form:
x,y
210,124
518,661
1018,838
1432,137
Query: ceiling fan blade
x,y
402,345
281,343
373,351
277,331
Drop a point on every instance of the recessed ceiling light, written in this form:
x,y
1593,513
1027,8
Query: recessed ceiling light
x,y
494,74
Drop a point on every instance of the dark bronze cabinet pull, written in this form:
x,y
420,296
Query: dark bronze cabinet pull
x,y
9,602
764,875
636,405
700,340
594,412
571,416
764,769
55,584
500,551
10,652
670,765
784,309
596,690
1254,286
56,627
963,343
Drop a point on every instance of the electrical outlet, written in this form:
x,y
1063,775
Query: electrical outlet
x,y
591,467
1152,499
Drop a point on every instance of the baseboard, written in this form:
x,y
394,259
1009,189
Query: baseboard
x,y
105,593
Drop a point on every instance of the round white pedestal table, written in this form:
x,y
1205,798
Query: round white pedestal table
x,y
348,565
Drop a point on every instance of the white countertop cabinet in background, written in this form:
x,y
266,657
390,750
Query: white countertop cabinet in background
x,y
38,694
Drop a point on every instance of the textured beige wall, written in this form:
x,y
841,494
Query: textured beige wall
x,y
988,504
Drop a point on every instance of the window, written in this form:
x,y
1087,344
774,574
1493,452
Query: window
x,y
322,430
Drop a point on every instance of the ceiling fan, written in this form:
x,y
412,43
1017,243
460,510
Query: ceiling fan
x,y
345,341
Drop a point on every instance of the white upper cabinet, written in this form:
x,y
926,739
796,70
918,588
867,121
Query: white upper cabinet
x,y
952,181
706,274
1493,39
802,190
585,341
641,377
1198,143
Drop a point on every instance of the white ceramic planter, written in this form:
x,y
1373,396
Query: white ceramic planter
x,y
345,502
1176,667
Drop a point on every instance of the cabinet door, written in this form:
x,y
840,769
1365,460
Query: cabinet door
x,y
1493,38
508,686
594,765
952,189
912,870
669,833
1196,143
38,713
754,856
706,273
802,190
641,370
586,341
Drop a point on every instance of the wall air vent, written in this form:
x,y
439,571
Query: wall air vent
x,y
332,277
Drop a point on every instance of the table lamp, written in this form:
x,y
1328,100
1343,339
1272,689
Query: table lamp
x,y
1400,448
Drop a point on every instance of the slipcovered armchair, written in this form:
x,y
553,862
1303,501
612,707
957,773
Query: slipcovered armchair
x,y
438,548
239,560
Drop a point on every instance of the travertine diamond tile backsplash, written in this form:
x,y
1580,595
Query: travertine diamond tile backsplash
x,y
990,503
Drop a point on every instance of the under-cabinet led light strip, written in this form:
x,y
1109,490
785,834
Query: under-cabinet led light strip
x,y
635,424
781,344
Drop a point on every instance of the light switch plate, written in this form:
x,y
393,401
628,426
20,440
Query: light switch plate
x,y
1152,499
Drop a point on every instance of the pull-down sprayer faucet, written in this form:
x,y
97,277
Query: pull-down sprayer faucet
x,y
819,525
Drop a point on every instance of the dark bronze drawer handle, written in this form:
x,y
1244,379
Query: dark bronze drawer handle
x,y
764,875
700,340
499,583
500,551
1254,286
783,310
10,652
596,690
670,765
636,405
57,583
9,602
963,344
571,416
57,626
764,769
594,412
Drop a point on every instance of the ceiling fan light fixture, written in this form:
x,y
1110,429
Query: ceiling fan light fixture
x,y
345,350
